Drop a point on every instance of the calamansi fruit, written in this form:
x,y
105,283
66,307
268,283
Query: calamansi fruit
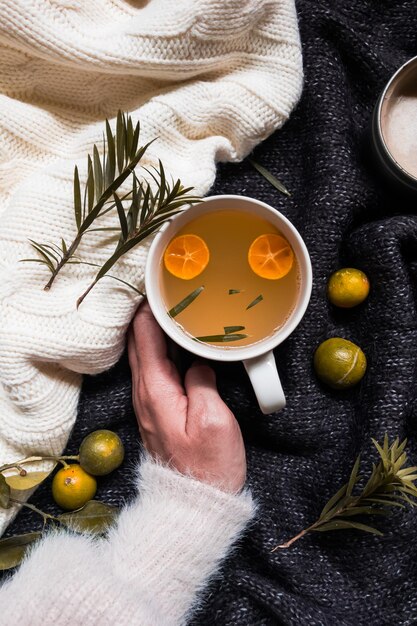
x,y
101,452
186,256
72,487
347,287
270,256
339,363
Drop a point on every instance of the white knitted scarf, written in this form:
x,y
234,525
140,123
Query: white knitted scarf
x,y
209,78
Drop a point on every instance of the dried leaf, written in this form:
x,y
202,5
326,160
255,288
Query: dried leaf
x,y
22,483
13,549
94,517
4,493
270,178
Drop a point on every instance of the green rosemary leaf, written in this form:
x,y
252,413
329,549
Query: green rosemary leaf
x,y
162,184
41,261
138,291
178,308
353,477
363,510
384,501
108,192
129,138
44,254
135,141
120,141
337,496
90,184
270,178
64,246
406,471
220,338
145,205
111,155
122,216
98,173
232,329
233,291
254,302
77,198
342,525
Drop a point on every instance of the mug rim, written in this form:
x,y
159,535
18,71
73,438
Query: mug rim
x,y
173,330
382,99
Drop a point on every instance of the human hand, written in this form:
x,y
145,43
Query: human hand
x,y
189,427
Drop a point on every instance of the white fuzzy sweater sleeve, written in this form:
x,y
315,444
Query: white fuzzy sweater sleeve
x,y
148,572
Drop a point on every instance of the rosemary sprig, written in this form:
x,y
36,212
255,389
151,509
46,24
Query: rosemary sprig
x,y
147,212
150,203
105,175
391,484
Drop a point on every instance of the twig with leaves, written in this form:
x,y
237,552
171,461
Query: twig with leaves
x,y
146,212
391,484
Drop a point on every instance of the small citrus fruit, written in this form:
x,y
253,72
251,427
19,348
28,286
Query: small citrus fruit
x,y
270,256
347,287
72,487
186,256
339,363
101,452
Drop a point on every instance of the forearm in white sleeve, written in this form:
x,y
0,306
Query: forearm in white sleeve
x,y
149,570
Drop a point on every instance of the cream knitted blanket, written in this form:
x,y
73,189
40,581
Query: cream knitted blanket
x,y
209,78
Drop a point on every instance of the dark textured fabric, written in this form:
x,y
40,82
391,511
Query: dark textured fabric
x,y
299,457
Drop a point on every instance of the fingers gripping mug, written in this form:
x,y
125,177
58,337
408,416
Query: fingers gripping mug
x,y
258,357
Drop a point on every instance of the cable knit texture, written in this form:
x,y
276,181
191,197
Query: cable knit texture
x,y
149,569
210,79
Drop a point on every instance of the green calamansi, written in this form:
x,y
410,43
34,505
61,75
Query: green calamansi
x,y
101,452
347,287
339,363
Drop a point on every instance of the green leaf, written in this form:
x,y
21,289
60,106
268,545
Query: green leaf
x,y
94,517
98,173
90,184
22,483
64,246
254,302
178,308
232,329
135,140
269,177
353,477
44,254
4,493
13,549
122,216
221,338
337,496
362,510
117,182
129,137
120,141
343,525
77,198
384,501
111,155
232,292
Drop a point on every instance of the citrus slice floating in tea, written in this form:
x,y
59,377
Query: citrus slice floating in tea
x,y
270,256
186,256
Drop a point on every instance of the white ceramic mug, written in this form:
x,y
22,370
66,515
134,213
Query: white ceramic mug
x,y
258,359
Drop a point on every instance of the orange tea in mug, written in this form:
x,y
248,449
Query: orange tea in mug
x,y
229,278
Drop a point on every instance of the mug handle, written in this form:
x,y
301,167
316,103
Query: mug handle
x,y
263,374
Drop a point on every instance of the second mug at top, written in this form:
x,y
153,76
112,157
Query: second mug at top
x,y
258,358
